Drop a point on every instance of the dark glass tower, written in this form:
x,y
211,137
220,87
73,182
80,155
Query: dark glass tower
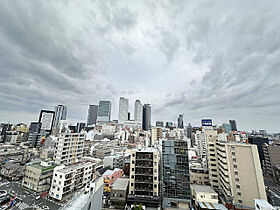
x,y
233,125
92,114
175,172
146,123
180,121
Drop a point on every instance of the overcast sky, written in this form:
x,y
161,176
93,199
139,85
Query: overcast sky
x,y
205,59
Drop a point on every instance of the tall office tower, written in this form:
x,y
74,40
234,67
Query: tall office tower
x,y
146,124
189,131
92,114
233,125
180,121
200,142
80,127
69,148
144,177
159,124
34,134
104,111
123,109
175,175
46,119
227,127
60,114
240,174
138,111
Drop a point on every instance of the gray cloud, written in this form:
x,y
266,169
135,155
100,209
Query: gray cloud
x,y
204,59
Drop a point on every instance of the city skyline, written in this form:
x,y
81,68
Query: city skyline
x,y
202,59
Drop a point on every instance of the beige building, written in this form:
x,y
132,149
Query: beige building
x,y
240,174
156,135
38,176
144,176
203,193
199,176
69,148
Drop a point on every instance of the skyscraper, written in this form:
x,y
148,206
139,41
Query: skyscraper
x,y
104,111
60,114
123,109
92,114
138,111
175,172
46,119
233,125
180,121
146,124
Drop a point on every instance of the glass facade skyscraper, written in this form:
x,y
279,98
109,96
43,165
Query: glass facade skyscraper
x,y
104,111
60,114
175,172
92,114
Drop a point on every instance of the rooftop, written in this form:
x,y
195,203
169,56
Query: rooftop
x,y
43,168
203,188
111,172
120,184
206,205
69,168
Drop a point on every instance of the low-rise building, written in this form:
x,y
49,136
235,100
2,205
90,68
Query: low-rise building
x,y
38,176
114,161
67,179
119,192
110,176
199,176
203,193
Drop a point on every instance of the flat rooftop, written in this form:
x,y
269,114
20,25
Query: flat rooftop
x,y
70,168
202,188
43,168
120,184
111,172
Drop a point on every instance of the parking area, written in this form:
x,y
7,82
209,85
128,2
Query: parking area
x,y
26,198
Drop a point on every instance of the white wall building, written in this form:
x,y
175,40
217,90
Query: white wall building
x,y
138,111
123,109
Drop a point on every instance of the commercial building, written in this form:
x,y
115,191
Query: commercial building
x,y
175,173
233,125
104,111
46,119
67,179
60,114
69,148
114,161
240,181
146,124
144,177
159,124
123,110
38,176
92,114
181,121
138,111
199,176
259,141
34,135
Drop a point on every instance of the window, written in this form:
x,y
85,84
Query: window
x,y
132,169
133,162
55,174
238,186
60,176
237,179
239,193
236,172
58,189
239,201
233,153
234,160
132,176
232,148
155,186
234,166
155,178
131,184
133,155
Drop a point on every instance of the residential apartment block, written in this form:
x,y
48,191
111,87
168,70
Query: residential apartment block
x,y
67,179
69,148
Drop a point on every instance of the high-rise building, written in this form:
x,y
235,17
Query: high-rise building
x,y
34,134
69,148
240,181
144,177
159,124
123,109
104,111
271,159
60,114
156,135
80,126
259,141
180,121
138,111
146,117
189,131
227,127
92,114
233,125
46,119
175,173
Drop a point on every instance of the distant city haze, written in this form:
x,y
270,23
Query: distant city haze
x,y
202,59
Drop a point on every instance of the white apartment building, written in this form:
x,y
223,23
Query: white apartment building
x,y
67,179
69,148
200,141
